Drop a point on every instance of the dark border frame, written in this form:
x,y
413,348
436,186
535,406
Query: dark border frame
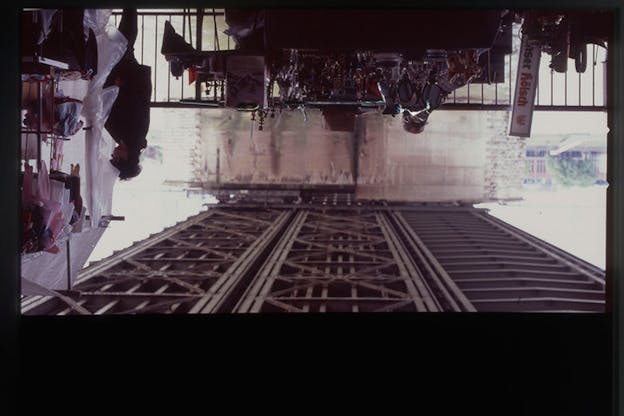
x,y
29,330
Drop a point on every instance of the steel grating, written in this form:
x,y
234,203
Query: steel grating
x,y
320,257
501,268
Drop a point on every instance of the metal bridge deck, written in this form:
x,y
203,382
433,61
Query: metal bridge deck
x,y
330,257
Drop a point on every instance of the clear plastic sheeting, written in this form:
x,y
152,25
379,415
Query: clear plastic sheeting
x,y
101,175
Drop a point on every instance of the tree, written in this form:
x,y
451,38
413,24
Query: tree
x,y
572,172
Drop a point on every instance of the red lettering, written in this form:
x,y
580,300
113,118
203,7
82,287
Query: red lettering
x,y
521,120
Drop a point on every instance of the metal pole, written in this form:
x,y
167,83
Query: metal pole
x,y
69,285
190,28
142,36
593,74
184,37
356,148
155,56
565,89
579,76
39,123
509,82
199,25
216,45
552,86
169,78
218,166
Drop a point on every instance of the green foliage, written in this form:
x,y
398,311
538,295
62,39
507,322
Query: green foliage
x,y
572,172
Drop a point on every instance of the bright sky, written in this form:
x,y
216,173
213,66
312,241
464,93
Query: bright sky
x,y
562,122
148,208
573,219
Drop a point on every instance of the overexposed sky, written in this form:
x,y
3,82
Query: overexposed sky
x,y
569,122
573,219
148,208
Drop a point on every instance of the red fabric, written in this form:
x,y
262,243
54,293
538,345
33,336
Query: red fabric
x,y
192,74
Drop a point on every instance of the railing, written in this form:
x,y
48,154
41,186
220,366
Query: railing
x,y
204,33
569,91
203,28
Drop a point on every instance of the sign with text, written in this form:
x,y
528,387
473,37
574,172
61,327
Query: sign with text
x,y
526,84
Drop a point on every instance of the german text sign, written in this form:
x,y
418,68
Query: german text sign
x,y
526,84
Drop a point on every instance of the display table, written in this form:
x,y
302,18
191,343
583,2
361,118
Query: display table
x,y
59,270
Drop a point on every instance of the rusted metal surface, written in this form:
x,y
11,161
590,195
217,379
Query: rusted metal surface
x,y
329,254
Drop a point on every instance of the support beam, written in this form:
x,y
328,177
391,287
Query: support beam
x,y
316,258
229,282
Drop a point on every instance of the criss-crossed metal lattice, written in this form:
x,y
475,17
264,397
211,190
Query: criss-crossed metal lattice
x,y
169,273
337,261
316,258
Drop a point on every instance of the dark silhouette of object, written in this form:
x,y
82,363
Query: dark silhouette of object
x,y
129,119
179,53
173,42
246,27
59,34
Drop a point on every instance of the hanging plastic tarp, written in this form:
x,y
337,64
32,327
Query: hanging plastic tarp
x,y
101,175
